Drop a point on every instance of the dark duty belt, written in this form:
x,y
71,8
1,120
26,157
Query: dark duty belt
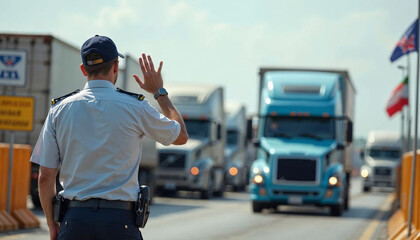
x,y
101,203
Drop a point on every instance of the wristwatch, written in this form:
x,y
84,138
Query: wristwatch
x,y
160,92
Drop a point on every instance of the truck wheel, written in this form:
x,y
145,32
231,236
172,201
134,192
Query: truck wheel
x,y
257,207
366,189
346,203
336,210
221,190
208,193
346,199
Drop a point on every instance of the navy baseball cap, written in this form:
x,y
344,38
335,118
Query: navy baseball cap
x,y
102,45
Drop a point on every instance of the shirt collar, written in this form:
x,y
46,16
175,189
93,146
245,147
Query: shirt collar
x,y
99,84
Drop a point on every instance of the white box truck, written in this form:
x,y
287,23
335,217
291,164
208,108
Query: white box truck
x,y
199,165
237,170
381,156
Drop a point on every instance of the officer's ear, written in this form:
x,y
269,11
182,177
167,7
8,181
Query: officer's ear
x,y
83,69
115,66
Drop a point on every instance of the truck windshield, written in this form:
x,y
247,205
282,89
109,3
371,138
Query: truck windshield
x,y
302,127
384,153
232,137
197,128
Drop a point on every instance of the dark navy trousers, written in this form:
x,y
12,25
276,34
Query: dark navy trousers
x,y
98,224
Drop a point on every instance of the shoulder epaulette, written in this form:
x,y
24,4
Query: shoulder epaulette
x,y
136,95
55,100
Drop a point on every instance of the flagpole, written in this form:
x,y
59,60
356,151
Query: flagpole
x,y
404,145
408,105
413,165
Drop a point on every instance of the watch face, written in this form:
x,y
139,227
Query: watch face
x,y
162,91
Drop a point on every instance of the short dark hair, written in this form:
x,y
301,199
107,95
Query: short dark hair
x,y
97,69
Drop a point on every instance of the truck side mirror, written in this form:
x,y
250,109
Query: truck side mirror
x,y
219,131
362,154
349,134
249,129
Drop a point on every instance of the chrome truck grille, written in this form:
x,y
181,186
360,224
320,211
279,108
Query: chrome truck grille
x,y
382,171
172,160
296,171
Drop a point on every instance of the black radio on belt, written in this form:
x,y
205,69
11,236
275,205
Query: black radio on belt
x,y
59,207
143,206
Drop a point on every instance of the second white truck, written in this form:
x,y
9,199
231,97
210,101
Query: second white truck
x,y
200,164
381,156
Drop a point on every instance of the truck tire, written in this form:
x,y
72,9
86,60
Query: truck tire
x,y
222,189
346,199
208,193
337,210
257,207
346,203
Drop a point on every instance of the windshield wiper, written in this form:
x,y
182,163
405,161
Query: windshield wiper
x,y
281,135
309,135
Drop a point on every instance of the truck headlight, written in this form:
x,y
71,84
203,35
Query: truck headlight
x,y
233,171
364,173
256,171
258,179
195,171
334,181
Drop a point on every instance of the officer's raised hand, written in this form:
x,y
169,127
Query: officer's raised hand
x,y
152,79
153,83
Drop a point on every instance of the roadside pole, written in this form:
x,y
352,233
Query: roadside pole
x,y
413,165
9,180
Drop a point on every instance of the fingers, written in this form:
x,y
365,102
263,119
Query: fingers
x,y
146,63
160,67
152,67
143,69
138,80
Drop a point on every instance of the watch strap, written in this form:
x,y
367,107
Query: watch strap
x,y
160,92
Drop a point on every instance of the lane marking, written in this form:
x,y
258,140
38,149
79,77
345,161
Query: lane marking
x,y
370,230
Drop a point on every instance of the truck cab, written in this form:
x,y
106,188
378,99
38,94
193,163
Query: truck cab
x,y
304,133
381,156
199,165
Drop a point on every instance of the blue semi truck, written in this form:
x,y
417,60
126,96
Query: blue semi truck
x,y
305,131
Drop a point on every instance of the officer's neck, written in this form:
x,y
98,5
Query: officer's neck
x,y
108,77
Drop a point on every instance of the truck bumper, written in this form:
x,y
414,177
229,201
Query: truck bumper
x,y
322,196
181,182
375,181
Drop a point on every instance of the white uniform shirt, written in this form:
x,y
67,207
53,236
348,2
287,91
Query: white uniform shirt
x,y
95,137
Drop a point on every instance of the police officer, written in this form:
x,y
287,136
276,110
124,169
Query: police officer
x,y
94,137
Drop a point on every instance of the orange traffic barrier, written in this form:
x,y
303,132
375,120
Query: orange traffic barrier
x,y
20,216
398,223
7,222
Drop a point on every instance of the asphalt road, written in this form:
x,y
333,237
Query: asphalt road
x,y
188,217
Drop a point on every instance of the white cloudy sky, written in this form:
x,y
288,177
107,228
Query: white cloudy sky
x,y
225,42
